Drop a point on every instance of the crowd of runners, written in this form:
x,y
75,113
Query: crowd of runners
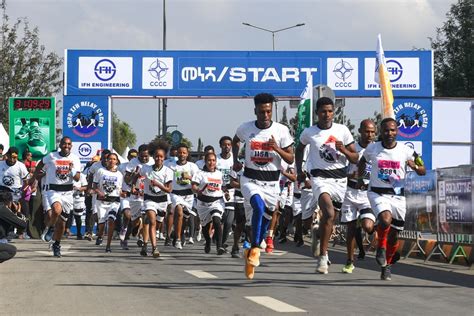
x,y
257,187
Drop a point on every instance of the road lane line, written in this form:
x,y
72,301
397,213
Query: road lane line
x,y
201,274
275,305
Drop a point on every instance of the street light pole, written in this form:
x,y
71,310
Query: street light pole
x,y
273,44
164,102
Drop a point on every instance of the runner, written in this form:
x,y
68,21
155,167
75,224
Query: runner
x,y
331,145
202,162
62,168
13,174
239,212
158,180
267,143
125,200
207,184
224,165
79,205
389,160
182,196
133,204
356,206
107,185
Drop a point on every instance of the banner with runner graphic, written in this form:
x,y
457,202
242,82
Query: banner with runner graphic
x,y
87,121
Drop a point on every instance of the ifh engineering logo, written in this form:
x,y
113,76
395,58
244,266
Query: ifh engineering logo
x,y
404,73
157,73
105,73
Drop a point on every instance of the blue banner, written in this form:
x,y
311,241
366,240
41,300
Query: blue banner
x,y
230,74
87,121
414,119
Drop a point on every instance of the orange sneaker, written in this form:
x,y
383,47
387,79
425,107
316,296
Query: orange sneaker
x,y
269,242
249,269
254,256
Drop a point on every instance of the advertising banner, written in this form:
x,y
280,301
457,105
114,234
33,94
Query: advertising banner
x,y
455,201
87,121
33,125
420,193
230,74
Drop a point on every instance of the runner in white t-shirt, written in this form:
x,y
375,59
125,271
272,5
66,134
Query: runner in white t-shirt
x,y
62,168
389,160
125,213
107,184
331,146
225,163
158,181
207,184
13,174
267,143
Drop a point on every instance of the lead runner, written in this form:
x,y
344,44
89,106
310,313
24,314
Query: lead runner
x,y
267,143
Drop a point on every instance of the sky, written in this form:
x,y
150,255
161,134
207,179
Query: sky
x,y
330,25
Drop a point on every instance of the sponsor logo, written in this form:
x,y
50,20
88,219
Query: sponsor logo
x,y
342,73
412,119
157,73
105,69
404,73
85,119
105,73
8,180
84,150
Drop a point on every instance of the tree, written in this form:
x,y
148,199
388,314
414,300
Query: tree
x,y
184,140
200,145
122,135
454,52
26,69
341,118
284,117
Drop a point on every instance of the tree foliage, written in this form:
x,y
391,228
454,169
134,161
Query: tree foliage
x,y
341,118
185,140
122,135
454,52
26,68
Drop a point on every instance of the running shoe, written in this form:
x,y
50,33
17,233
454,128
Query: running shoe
x,y
249,268
43,234
246,245
395,258
98,241
123,233
269,248
167,242
161,236
124,244
322,265
23,132
361,255
56,250
199,234
254,256
380,257
386,274
282,239
108,250
88,236
207,247
155,253
36,143
140,242
348,268
191,241
315,243
144,252
179,245
220,251
235,253
299,242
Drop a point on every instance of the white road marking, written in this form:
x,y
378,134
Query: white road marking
x,y
201,274
277,253
275,305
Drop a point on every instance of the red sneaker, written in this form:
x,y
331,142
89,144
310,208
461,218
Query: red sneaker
x,y
269,242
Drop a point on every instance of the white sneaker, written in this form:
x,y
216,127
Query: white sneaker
x,y
161,236
315,243
322,265
178,245
191,241
199,234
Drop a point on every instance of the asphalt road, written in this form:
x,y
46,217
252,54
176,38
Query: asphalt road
x,y
86,280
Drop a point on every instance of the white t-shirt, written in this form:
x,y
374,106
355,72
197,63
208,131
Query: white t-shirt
x,y
200,163
12,176
178,182
135,165
323,154
93,168
163,175
109,182
225,166
259,156
79,196
213,180
388,165
58,169
123,170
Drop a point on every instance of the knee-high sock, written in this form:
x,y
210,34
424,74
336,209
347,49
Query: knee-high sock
x,y
263,230
382,232
258,206
392,247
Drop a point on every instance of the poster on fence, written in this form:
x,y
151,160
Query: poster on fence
x,y
420,193
455,204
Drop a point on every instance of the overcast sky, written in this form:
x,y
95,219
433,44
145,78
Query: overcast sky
x,y
217,25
